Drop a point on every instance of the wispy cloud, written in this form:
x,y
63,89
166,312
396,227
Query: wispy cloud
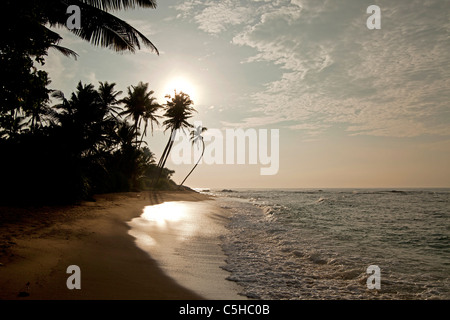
x,y
388,82
216,16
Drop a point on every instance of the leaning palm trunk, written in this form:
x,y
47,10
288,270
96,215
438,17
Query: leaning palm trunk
x,y
198,161
164,152
178,111
161,168
165,155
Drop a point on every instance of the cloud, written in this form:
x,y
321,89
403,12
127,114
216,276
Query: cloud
x,y
335,71
91,78
252,122
144,27
215,17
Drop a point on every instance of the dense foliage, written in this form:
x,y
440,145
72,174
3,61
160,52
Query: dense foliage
x,y
79,146
82,144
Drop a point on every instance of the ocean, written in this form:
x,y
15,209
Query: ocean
x,y
319,244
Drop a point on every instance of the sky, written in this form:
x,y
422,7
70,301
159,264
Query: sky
x,y
354,107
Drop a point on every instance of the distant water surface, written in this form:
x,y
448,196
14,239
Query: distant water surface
x,y
317,244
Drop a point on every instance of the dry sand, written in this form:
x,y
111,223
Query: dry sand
x,y
38,244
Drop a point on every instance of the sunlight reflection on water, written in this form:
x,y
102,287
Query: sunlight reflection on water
x,y
159,221
183,237
165,213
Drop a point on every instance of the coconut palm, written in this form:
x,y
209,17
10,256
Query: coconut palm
x,y
125,135
178,110
11,126
141,105
38,113
108,98
85,122
98,25
196,137
31,19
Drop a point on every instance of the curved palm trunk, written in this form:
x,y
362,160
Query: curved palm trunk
x,y
198,161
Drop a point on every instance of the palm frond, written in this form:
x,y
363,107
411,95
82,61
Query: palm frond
x,y
65,51
102,28
58,94
108,5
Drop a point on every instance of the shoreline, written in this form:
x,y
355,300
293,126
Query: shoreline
x,y
185,238
37,246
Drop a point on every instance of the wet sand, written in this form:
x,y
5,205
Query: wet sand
x,y
185,238
38,244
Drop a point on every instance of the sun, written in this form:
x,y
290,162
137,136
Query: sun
x,y
181,84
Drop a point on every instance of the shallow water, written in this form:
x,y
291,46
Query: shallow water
x,y
318,244
183,237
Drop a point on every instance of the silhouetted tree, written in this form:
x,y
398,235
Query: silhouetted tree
x,y
98,25
81,145
27,38
141,105
108,98
24,44
178,110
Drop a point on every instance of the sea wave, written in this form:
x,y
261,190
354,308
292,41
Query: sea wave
x,y
280,246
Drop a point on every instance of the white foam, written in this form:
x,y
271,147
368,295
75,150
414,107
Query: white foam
x,y
271,259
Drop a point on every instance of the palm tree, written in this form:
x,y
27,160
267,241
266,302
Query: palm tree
x,y
141,106
108,98
35,104
111,121
11,126
31,19
38,113
178,110
98,25
83,120
196,136
125,136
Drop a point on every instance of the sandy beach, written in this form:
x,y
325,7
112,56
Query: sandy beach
x,y
184,237
38,244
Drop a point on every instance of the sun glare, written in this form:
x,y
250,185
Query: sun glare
x,y
181,84
164,213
